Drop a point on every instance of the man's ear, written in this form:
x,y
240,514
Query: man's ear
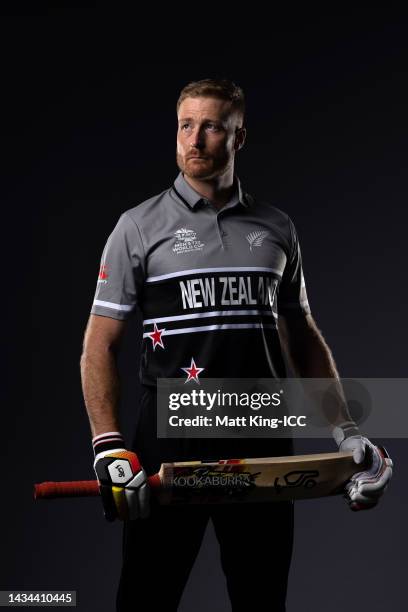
x,y
240,135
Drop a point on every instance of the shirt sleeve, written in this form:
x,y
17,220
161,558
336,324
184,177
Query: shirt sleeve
x,y
292,296
122,272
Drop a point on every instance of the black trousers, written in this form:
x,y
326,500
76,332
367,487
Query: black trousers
x,y
255,538
255,543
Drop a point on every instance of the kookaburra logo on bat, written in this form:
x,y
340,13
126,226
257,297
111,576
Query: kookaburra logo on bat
x,y
203,477
297,478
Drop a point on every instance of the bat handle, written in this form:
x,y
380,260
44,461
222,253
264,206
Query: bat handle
x,y
78,488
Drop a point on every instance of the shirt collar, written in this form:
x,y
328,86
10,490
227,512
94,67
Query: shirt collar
x,y
191,197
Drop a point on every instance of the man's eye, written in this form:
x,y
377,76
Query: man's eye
x,y
212,127
185,125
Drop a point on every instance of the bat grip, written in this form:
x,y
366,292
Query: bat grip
x,y
77,488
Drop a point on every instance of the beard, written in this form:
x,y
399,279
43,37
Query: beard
x,y
204,169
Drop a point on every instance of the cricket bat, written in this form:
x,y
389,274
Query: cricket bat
x,y
234,480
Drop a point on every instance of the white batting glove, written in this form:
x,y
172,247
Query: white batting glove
x,y
356,445
365,488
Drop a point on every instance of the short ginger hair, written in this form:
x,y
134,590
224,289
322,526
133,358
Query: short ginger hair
x,y
222,89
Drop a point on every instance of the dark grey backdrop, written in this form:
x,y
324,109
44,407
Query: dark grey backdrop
x,y
89,131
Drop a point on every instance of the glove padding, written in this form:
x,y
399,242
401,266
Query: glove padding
x,y
123,485
365,488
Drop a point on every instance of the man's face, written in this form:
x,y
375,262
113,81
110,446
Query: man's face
x,y
208,136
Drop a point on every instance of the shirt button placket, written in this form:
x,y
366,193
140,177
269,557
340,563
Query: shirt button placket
x,y
222,233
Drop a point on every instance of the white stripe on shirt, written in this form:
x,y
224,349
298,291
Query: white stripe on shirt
x,y
124,307
213,313
153,279
191,330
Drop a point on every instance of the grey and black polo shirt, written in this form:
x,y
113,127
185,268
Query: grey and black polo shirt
x,y
210,284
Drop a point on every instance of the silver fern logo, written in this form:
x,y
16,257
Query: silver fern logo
x,y
256,239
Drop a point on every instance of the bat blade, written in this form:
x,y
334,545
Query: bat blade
x,y
256,479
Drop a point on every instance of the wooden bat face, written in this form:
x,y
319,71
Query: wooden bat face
x,y
254,480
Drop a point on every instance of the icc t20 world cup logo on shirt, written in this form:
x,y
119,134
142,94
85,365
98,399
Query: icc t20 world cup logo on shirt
x,y
186,241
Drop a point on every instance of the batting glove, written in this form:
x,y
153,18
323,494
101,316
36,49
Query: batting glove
x,y
122,480
365,488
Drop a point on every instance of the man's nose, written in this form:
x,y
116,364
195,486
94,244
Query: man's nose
x,y
197,139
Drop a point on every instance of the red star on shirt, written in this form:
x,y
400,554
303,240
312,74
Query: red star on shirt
x,y
156,336
192,372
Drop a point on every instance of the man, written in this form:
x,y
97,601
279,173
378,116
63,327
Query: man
x,y
191,259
